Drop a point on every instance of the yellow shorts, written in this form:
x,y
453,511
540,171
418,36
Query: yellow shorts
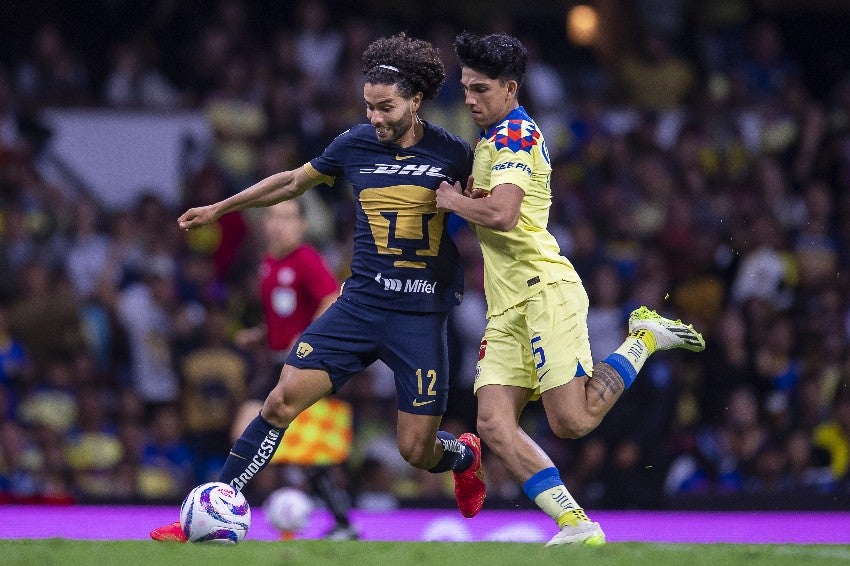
x,y
539,343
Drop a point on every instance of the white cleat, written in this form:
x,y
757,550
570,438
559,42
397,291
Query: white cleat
x,y
586,532
668,333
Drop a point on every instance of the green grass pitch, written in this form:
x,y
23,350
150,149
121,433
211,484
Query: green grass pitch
x,y
61,552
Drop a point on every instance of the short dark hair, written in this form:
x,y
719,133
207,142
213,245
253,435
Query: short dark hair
x,y
414,65
498,55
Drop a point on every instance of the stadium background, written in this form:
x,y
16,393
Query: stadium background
x,y
700,154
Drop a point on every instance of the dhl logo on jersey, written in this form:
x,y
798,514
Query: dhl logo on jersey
x,y
411,169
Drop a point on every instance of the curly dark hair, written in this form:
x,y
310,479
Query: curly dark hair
x,y
414,65
498,55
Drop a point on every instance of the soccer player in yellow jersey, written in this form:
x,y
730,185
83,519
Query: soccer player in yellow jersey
x,y
536,343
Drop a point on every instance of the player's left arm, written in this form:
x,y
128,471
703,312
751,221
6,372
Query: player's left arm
x,y
498,211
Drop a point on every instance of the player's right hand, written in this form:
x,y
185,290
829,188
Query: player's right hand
x,y
195,217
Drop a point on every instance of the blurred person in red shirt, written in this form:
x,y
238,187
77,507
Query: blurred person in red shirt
x,y
295,284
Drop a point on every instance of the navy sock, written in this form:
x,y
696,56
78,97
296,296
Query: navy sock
x,y
457,456
251,453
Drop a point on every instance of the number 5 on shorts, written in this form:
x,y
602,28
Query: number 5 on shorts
x,y
537,352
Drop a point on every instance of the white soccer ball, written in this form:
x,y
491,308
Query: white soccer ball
x,y
288,509
215,512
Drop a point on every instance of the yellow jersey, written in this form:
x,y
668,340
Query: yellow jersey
x,y
518,263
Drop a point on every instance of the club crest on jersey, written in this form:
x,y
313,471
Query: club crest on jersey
x,y
303,350
411,169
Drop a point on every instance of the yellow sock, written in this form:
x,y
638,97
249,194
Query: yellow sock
x,y
556,502
637,347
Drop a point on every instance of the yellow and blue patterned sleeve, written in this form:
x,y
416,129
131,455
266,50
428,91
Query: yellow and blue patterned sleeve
x,y
514,144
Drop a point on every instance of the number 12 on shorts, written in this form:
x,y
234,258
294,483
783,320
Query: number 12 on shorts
x,y
431,377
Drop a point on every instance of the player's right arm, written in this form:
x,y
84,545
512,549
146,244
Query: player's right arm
x,y
499,211
271,190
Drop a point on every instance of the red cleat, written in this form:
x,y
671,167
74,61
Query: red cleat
x,y
171,532
470,488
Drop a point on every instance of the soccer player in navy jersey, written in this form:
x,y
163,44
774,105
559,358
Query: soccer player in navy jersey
x,y
405,274
536,343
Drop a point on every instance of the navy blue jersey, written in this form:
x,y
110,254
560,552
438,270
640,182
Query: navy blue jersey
x,y
404,258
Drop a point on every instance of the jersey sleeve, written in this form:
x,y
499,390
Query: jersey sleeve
x,y
330,164
512,149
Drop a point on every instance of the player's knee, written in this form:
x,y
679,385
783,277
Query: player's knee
x,y
277,411
417,454
492,430
571,426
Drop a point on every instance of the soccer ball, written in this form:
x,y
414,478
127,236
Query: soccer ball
x,y
215,512
288,509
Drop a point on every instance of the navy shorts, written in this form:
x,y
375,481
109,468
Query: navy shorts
x,y
349,336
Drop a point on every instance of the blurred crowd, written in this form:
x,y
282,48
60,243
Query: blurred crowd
x,y
694,170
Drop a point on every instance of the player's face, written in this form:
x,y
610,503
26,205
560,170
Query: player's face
x,y
488,99
390,113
